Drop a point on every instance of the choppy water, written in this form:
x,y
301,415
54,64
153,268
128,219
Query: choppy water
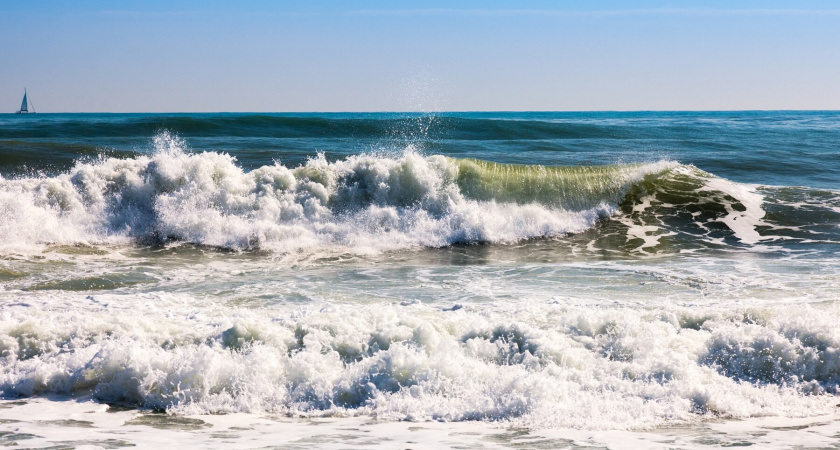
x,y
593,271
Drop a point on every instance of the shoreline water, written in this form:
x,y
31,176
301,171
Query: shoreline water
x,y
567,275
71,423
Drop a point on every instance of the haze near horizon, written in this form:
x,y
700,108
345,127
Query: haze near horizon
x,y
260,56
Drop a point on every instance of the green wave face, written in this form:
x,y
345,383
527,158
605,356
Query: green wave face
x,y
371,203
567,187
659,207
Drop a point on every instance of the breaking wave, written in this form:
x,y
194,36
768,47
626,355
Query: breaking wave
x,y
535,364
362,203
366,203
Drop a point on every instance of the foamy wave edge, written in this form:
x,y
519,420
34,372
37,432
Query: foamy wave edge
x,y
362,204
532,364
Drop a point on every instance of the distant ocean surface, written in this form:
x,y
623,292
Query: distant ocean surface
x,y
546,271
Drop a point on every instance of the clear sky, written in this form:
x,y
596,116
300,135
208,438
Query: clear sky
x,y
150,55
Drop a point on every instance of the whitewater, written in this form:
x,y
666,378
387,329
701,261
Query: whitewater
x,y
500,280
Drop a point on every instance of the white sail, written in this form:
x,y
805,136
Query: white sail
x,y
23,108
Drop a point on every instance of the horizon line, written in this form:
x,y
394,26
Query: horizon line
x,y
465,111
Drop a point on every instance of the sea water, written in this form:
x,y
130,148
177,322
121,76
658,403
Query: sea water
x,y
420,280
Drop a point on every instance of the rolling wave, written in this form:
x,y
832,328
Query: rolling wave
x,y
532,364
368,203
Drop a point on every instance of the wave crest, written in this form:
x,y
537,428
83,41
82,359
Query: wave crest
x,y
360,204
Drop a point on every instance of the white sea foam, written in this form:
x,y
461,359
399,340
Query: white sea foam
x,y
535,364
43,423
362,204
742,223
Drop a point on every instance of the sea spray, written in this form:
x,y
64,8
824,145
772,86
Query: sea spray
x,y
362,203
531,363
657,272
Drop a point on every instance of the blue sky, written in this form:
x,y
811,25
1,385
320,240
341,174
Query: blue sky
x,y
124,56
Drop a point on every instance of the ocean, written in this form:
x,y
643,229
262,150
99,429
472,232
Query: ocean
x,y
402,280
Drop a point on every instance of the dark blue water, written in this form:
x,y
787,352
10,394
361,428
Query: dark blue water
x,y
783,148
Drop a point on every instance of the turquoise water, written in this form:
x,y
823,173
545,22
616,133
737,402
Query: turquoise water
x,y
544,270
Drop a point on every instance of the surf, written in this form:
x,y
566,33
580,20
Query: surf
x,y
366,203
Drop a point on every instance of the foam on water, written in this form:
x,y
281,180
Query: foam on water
x,y
43,423
362,203
742,222
628,317
535,364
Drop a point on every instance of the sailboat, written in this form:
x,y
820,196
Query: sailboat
x,y
23,106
